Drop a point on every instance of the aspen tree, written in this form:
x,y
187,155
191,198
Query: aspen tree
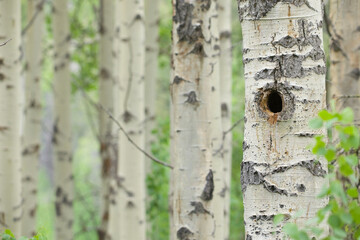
x,y
62,125
107,61
10,117
151,65
345,54
33,114
226,87
131,162
284,88
195,71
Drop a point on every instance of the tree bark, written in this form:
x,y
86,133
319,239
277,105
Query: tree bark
x,y
285,87
62,126
345,54
131,167
151,66
10,117
226,105
33,113
108,65
195,72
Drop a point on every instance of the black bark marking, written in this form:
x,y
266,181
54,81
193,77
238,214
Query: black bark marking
x,y
259,8
207,193
224,110
184,233
198,50
198,209
127,116
191,98
355,73
301,187
187,32
250,176
262,217
178,80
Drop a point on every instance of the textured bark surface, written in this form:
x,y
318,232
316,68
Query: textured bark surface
x,y
131,168
195,71
108,65
285,87
10,114
345,54
33,116
226,87
62,125
151,66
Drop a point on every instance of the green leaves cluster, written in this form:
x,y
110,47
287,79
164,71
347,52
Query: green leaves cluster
x,y
8,235
340,218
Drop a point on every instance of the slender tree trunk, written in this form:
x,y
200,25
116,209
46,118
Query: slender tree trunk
x,y
62,127
285,87
10,115
151,66
226,87
33,115
345,54
107,61
131,167
195,63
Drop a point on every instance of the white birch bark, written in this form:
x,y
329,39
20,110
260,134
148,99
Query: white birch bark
x,y
195,70
226,106
345,54
131,166
107,61
151,66
33,115
62,126
284,88
10,115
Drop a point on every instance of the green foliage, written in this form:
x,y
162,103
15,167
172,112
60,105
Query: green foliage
x,y
8,235
342,214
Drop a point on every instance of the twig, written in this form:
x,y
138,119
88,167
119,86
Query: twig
x,y
226,133
3,44
100,107
39,8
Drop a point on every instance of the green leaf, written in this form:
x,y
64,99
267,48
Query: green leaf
x,y
330,154
278,219
355,213
316,123
345,218
347,116
291,229
8,232
352,160
345,168
325,115
353,192
334,221
339,233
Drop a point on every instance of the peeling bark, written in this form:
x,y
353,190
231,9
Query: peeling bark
x,y
285,87
10,117
33,113
62,127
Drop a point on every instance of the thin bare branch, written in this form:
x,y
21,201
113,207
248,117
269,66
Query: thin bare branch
x,y
3,44
101,108
39,8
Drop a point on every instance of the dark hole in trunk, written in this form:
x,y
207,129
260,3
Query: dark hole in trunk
x,y
274,102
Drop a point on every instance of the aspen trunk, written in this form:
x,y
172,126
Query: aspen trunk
x,y
195,59
284,88
33,115
345,54
131,167
62,127
151,66
107,61
226,87
10,116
